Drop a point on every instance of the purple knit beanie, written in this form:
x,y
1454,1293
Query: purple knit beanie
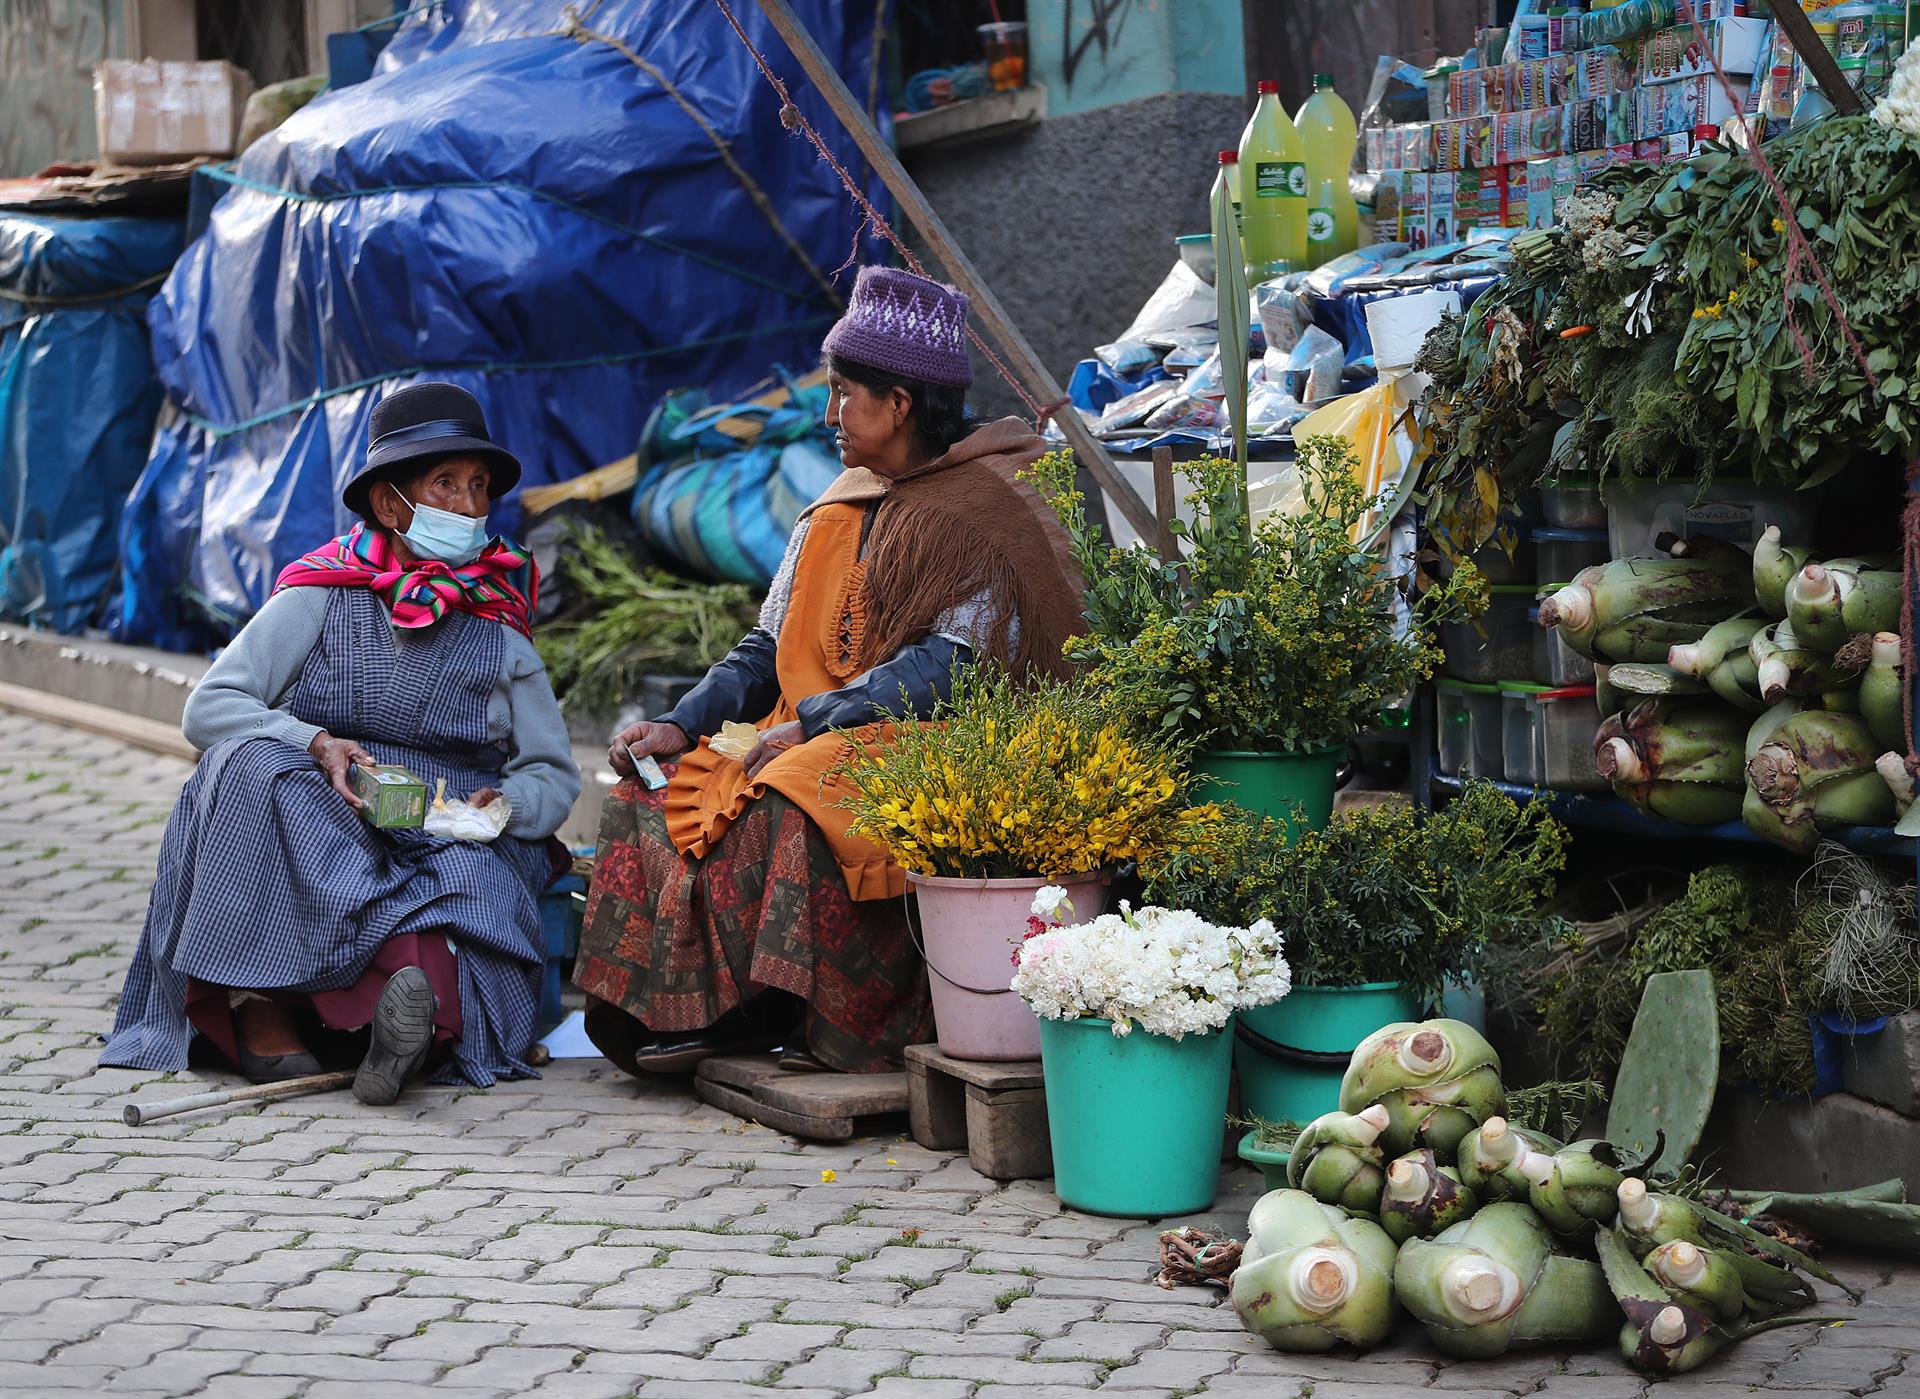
x,y
905,325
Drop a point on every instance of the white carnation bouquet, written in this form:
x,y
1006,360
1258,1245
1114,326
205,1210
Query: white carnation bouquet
x,y
1170,971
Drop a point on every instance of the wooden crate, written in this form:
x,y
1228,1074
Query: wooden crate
x,y
996,1113
818,1106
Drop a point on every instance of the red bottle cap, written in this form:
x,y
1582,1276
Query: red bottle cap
x,y
1229,157
1268,85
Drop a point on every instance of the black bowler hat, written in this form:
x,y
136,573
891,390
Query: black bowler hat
x,y
422,423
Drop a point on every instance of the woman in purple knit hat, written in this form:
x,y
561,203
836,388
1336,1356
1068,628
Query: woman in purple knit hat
x,y
734,910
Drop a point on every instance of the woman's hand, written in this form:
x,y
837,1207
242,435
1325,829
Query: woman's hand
x,y
773,742
648,738
335,756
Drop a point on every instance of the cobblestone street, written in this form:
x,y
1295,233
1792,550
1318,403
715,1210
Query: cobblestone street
x,y
586,1237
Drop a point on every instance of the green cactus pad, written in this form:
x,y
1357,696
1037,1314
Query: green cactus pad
x,y
1669,1070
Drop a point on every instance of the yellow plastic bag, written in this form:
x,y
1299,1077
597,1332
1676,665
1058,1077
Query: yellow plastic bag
x,y
1374,423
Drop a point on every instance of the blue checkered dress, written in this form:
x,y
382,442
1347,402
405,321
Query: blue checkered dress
x,y
267,879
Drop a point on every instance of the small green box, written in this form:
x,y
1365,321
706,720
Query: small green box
x,y
395,798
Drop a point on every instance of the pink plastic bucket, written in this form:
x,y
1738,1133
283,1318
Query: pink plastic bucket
x,y
969,929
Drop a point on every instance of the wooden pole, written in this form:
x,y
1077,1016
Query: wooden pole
x,y
140,1114
1165,504
1798,28
993,318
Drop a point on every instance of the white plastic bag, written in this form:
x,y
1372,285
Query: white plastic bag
x,y
459,820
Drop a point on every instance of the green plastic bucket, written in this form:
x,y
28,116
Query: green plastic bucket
x,y
1332,1019
1135,1120
1291,1055
1273,784
1271,1161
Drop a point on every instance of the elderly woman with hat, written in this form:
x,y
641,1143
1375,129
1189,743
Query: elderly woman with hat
x,y
279,908
735,910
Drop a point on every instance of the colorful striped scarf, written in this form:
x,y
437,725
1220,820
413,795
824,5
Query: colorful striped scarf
x,y
501,585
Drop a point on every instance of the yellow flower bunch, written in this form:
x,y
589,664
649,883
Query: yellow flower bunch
x,y
1045,780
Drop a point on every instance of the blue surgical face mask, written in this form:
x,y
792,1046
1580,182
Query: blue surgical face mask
x,y
443,535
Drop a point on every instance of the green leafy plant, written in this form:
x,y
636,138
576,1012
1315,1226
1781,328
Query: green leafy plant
x,y
1280,636
1384,893
622,622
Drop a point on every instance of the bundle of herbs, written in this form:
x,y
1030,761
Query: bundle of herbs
x,y
1384,893
1779,949
621,622
1276,636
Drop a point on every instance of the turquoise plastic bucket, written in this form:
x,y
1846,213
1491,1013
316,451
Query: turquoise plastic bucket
x,y
1136,1120
1332,1019
1269,1160
1272,784
1291,1055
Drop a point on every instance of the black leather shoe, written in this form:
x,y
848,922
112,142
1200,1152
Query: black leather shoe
x,y
402,1035
681,1054
276,1068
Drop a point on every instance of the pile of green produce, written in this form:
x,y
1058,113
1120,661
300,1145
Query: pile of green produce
x,y
1781,949
622,622
1672,325
1419,1192
1763,687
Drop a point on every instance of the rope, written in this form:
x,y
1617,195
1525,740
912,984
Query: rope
x,y
1195,1258
226,174
84,298
220,430
793,118
577,31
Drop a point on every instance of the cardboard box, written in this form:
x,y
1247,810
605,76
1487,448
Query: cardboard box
x,y
1587,164
1442,228
1601,73
1681,104
1548,182
1677,53
1513,198
1524,136
1467,91
1450,144
1493,197
152,112
395,799
1413,208
1483,147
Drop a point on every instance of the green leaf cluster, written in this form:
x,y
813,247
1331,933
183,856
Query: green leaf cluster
x,y
622,622
1384,893
1280,636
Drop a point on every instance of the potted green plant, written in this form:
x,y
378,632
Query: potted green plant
x,y
1268,644
1379,910
1005,789
1135,1009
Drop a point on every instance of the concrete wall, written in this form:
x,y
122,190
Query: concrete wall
x,y
1072,222
47,52
1098,53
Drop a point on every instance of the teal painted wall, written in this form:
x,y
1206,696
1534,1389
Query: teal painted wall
x,y
1095,53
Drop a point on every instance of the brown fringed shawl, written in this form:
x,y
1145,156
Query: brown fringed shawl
x,y
960,526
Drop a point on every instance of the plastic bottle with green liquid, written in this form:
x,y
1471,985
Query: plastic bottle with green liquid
x,y
1328,132
1273,191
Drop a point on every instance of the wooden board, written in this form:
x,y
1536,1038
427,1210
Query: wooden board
x,y
820,1129
819,1105
1022,1073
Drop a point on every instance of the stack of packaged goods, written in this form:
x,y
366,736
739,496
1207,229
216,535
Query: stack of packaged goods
x,y
1537,110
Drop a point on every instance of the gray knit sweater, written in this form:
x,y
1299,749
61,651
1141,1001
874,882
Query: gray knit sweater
x,y
245,693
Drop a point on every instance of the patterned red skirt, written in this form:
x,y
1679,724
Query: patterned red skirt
x,y
674,943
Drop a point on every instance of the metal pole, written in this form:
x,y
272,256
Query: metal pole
x,y
993,318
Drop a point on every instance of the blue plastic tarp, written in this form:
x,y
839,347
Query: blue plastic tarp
x,y
528,214
77,403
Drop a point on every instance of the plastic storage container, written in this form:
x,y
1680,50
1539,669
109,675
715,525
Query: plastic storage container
x,y
1739,511
1547,733
1573,502
1467,723
1563,553
1555,662
1494,646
